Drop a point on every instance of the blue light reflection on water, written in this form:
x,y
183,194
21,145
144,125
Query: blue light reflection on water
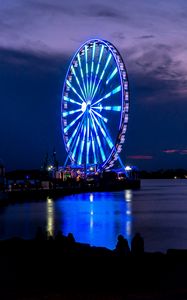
x,y
158,211
96,217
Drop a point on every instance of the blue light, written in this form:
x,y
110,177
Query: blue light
x,y
75,149
100,116
104,133
92,67
78,139
112,75
86,58
93,55
78,82
74,133
100,56
71,100
114,108
72,123
108,134
88,141
98,65
93,148
82,76
82,147
71,112
70,85
102,74
98,139
116,90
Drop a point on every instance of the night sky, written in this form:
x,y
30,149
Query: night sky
x,y
37,41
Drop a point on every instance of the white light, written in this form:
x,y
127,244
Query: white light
x,y
128,168
91,197
128,195
83,106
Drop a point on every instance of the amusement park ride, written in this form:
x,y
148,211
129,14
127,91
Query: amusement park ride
x,y
94,118
95,108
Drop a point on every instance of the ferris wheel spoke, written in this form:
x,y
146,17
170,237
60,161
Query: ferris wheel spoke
x,y
102,75
71,138
93,148
98,66
109,141
78,140
71,112
113,108
86,61
87,140
82,146
82,75
112,75
107,132
77,80
75,149
92,65
98,138
114,91
74,90
99,115
72,101
72,123
75,133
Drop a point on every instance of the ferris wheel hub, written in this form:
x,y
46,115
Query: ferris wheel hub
x,y
84,105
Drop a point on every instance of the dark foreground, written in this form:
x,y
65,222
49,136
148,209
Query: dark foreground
x,y
56,270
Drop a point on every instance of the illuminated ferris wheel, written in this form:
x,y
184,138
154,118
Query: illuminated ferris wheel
x,y
95,105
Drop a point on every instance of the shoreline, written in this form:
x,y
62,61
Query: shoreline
x,y
26,195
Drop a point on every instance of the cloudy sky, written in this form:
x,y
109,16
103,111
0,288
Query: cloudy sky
x,y
37,41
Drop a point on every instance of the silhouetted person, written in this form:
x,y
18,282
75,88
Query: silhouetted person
x,y
59,236
137,244
70,238
70,243
122,246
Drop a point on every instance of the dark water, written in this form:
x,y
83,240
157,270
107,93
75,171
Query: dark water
x,y
158,211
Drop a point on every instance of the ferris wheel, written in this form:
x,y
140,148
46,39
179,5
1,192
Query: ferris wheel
x,y
95,105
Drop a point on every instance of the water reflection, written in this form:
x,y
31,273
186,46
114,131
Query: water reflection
x,y
50,217
95,218
158,211
128,198
91,198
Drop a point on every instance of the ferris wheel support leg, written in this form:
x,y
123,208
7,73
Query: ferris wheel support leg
x,y
65,164
121,163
